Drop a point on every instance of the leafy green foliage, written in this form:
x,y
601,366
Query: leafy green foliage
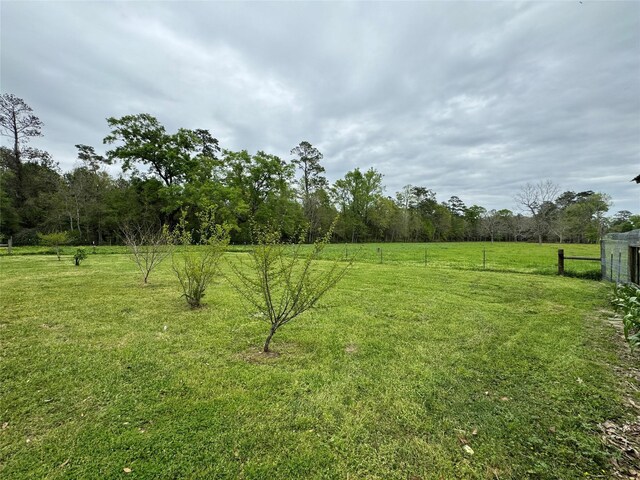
x,y
284,280
196,268
143,139
55,240
263,191
80,255
357,194
626,301
182,170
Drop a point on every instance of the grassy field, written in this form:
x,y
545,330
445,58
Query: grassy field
x,y
498,256
400,369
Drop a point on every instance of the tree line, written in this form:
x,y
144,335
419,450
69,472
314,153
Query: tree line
x,y
164,175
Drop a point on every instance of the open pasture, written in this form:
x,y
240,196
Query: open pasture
x,y
401,373
499,256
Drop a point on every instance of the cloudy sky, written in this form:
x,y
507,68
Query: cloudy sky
x,y
469,99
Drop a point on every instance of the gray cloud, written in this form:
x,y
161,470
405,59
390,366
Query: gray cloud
x,y
468,99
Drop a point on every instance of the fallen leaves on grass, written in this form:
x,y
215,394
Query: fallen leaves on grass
x,y
626,439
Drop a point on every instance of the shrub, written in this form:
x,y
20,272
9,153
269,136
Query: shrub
x,y
80,255
626,301
197,267
26,237
55,240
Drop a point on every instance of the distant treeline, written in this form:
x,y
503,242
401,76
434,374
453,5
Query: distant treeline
x,y
185,171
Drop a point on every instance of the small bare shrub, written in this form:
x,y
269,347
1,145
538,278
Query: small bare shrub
x,y
148,246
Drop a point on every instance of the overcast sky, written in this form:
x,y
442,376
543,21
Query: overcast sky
x,y
469,99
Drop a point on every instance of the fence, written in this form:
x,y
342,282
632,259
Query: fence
x,y
620,254
508,257
8,245
562,258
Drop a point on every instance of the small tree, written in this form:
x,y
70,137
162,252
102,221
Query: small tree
x,y
148,246
55,240
196,267
80,255
283,280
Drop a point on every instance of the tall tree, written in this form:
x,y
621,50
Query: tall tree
x,y
90,158
473,218
356,194
625,221
9,218
491,223
428,213
171,157
18,122
312,180
457,221
308,161
40,184
506,222
262,184
586,216
537,200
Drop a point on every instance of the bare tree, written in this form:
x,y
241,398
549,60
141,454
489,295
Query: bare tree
x,y
283,280
538,199
490,223
148,246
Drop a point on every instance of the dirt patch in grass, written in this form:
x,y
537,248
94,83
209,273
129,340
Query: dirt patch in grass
x,y
255,354
258,356
351,348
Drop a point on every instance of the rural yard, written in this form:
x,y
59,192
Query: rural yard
x,y
406,370
345,240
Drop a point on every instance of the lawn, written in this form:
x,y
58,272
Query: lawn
x,y
499,256
401,368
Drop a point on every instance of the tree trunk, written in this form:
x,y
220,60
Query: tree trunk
x,y
265,349
17,160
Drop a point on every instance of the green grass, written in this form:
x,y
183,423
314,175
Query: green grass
x,y
396,371
498,256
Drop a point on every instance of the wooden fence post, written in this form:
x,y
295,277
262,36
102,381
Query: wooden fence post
x,y
560,261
